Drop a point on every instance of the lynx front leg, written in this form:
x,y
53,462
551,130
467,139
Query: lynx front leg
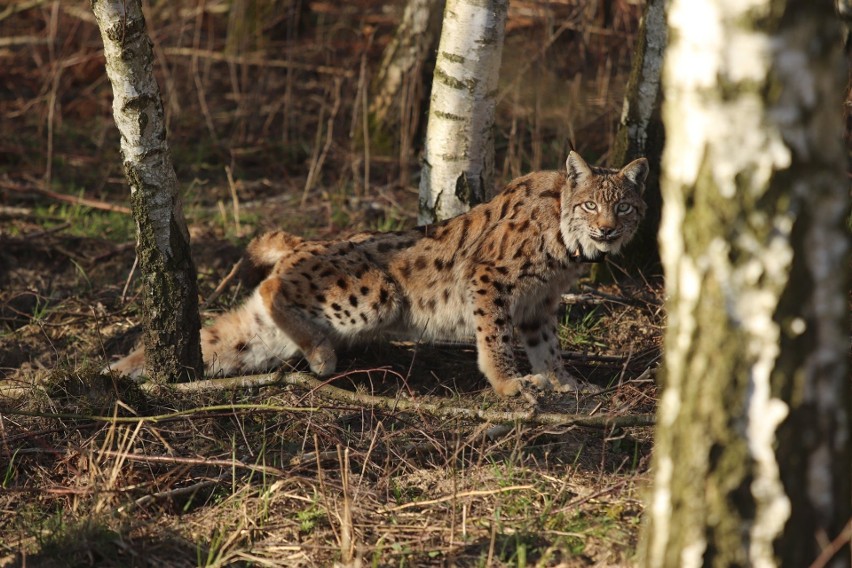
x,y
541,342
494,335
542,346
311,339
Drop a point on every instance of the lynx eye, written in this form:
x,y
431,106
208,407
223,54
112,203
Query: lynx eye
x,y
623,208
590,206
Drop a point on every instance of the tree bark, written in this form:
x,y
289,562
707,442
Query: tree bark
x,y
752,459
458,162
641,133
170,301
405,55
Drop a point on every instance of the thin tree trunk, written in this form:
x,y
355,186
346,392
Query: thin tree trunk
x,y
411,46
641,133
752,455
170,300
458,162
398,94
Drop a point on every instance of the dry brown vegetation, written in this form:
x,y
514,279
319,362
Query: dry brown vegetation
x,y
265,105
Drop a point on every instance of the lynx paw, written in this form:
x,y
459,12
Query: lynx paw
x,y
323,360
559,382
537,380
508,387
564,382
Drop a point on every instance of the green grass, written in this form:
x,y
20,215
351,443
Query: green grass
x,y
389,222
87,222
581,330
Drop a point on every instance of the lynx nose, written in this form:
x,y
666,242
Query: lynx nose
x,y
608,232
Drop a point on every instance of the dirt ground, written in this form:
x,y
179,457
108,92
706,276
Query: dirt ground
x,y
100,472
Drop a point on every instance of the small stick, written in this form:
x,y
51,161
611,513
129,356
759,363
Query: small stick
x,y
581,299
56,229
221,287
93,203
269,470
472,493
129,278
171,493
235,199
258,60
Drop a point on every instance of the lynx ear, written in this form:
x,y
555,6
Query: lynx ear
x,y
636,171
578,169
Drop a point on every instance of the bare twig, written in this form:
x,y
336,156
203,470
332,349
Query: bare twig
x,y
19,7
172,493
129,278
843,539
157,418
231,464
260,60
44,233
222,285
319,157
232,186
93,203
454,496
581,299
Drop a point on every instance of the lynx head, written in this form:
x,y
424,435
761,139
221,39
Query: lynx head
x,y
601,207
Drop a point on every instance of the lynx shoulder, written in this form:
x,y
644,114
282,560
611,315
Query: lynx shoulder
x,y
494,274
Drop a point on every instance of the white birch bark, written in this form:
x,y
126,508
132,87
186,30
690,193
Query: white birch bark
x,y
170,303
458,161
752,453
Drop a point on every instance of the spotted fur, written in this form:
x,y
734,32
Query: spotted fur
x,y
493,273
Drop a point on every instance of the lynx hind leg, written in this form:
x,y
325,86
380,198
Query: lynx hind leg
x,y
542,346
309,337
538,330
242,340
245,340
317,306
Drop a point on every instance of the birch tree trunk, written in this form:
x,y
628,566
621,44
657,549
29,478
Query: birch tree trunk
x,y
641,133
752,455
170,300
411,46
458,161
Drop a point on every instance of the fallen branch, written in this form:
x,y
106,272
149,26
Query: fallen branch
x,y
443,409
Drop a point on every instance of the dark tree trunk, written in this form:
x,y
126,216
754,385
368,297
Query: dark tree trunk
x,y
170,300
641,132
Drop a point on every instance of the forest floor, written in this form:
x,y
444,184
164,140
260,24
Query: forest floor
x,y
436,470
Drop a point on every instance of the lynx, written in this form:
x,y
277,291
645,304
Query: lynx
x,y
491,273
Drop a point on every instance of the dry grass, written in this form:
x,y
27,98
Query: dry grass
x,y
264,102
